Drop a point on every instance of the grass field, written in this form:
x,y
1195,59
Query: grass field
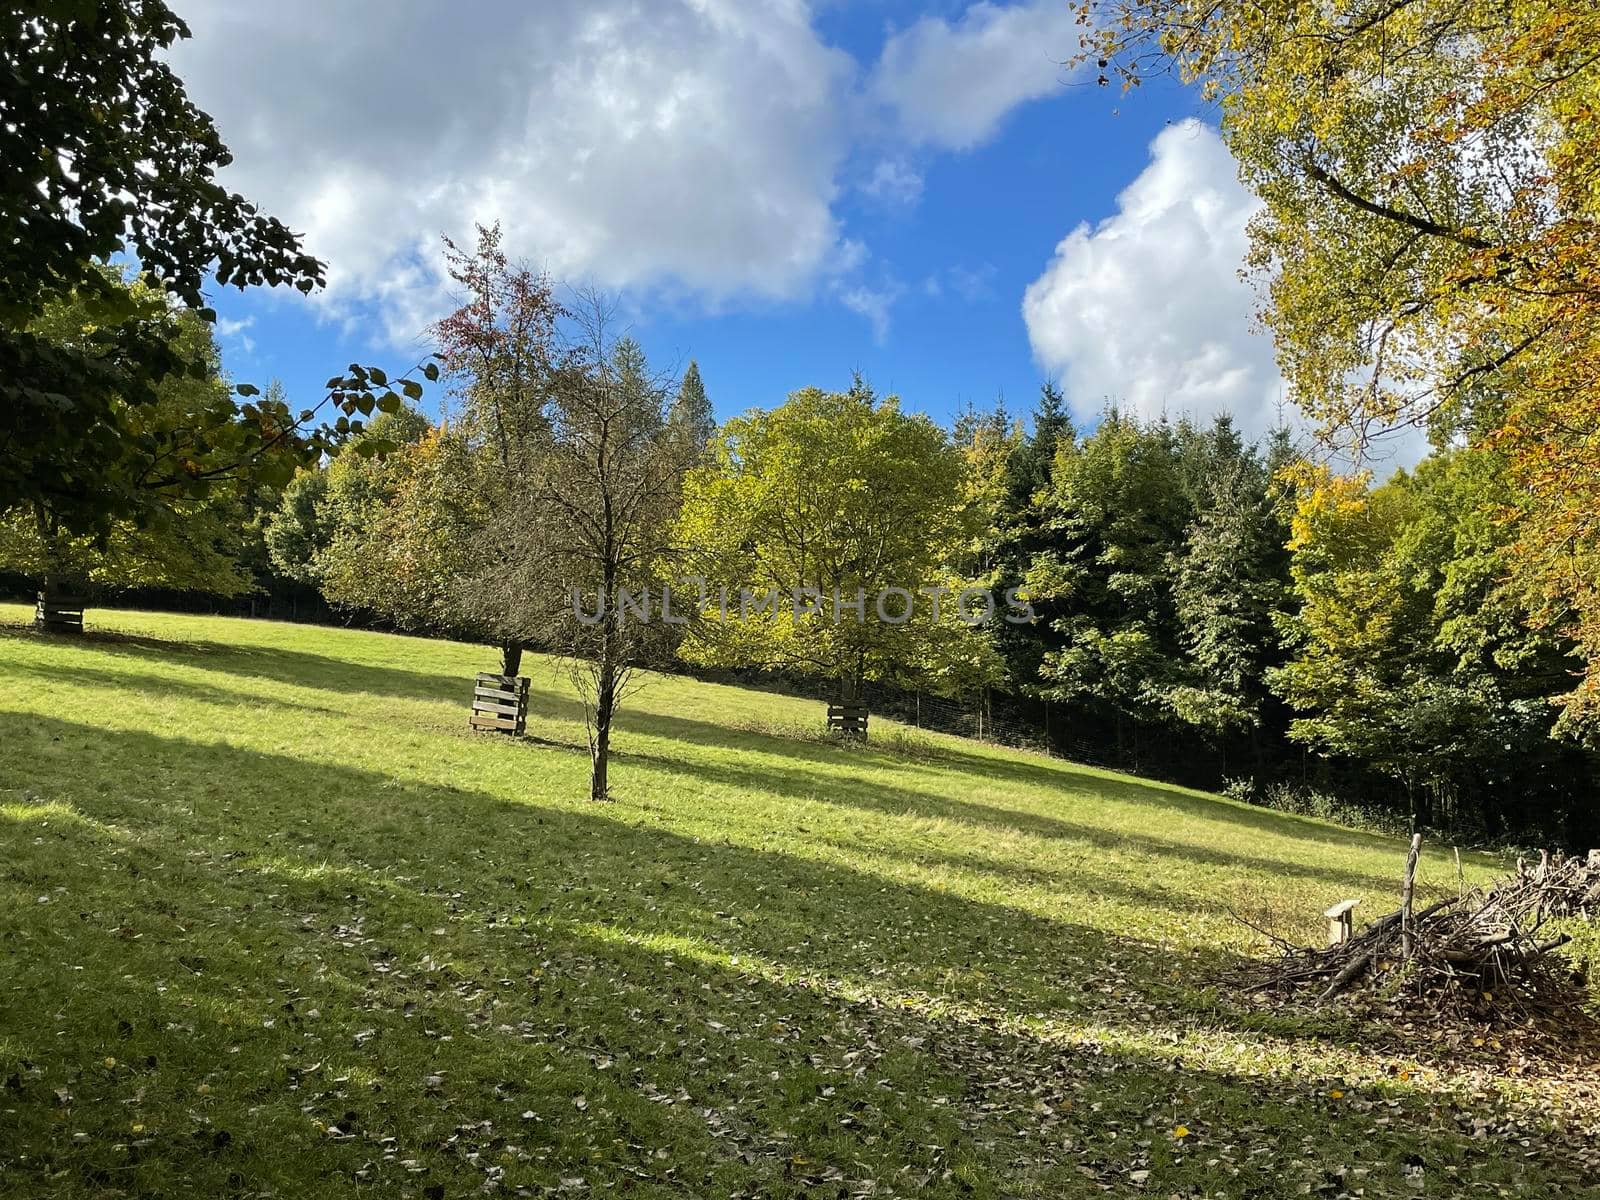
x,y
274,923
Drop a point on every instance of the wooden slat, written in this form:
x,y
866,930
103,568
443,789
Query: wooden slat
x,y
519,682
485,721
499,694
509,710
500,703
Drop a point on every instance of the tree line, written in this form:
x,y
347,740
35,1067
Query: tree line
x,y
1200,605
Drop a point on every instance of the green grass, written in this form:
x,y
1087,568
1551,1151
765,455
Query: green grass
x,y
274,923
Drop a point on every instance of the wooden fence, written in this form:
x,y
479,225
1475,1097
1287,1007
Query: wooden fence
x,y
500,703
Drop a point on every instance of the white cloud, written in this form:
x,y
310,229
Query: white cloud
x,y
227,327
691,145
894,181
950,85
691,149
1148,309
873,303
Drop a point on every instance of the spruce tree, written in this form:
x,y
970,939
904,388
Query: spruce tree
x,y
691,409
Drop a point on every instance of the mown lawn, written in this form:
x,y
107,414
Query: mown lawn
x,y
275,923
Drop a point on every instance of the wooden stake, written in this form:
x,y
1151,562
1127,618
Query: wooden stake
x,y
1461,878
1405,895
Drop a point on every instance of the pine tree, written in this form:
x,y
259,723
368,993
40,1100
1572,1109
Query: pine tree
x,y
691,410
1228,585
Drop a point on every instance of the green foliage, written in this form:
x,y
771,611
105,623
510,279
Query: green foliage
x,y
184,537
1230,590
833,495
104,153
297,534
393,536
1120,505
1411,653
1022,534
1430,179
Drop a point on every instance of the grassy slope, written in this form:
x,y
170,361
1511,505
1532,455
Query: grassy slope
x,y
273,922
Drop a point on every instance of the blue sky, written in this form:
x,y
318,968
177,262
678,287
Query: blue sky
x,y
783,192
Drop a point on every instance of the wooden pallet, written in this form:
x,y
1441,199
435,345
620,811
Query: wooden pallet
x,y
500,703
59,614
848,718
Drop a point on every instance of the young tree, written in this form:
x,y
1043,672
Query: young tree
x,y
810,511
430,538
596,520
499,349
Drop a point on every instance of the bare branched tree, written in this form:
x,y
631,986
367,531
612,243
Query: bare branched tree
x,y
601,511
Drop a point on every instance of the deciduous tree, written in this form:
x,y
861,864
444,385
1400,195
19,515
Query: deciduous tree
x,y
1430,235
827,499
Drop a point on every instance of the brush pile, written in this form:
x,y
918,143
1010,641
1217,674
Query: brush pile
x,y
1484,954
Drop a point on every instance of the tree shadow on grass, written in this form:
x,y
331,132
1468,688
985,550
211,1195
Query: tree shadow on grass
x,y
826,772
1056,778
877,796
279,664
526,955
808,770
165,685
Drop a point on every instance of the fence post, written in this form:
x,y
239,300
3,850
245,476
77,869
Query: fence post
x,y
1407,937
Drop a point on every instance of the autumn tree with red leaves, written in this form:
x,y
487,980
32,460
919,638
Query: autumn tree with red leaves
x,y
498,348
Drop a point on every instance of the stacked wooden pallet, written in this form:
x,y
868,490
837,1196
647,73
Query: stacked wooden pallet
x,y
500,703
58,614
848,718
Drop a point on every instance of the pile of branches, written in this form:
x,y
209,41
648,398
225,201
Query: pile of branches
x,y
1483,954
1557,887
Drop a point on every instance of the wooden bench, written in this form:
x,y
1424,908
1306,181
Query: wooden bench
x,y
848,718
59,614
500,703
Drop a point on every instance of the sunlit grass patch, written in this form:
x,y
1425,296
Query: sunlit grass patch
x,y
299,904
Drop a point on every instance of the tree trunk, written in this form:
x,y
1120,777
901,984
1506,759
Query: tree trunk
x,y
601,754
510,658
605,705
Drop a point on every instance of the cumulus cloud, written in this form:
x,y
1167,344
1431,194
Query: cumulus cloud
x,y
692,149
950,84
690,145
1147,308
